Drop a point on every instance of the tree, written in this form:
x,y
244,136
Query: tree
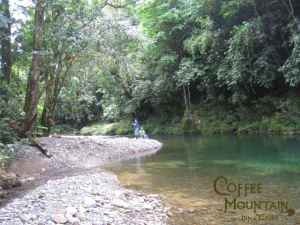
x,y
168,24
5,32
32,92
71,33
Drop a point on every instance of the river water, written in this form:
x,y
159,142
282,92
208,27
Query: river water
x,y
222,178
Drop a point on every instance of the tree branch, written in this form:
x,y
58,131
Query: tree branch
x,y
40,147
118,6
291,10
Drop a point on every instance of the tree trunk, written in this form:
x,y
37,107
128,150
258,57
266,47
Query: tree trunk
x,y
189,96
5,46
49,110
34,73
28,121
52,92
186,95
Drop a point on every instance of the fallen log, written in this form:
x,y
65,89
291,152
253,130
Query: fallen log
x,y
40,147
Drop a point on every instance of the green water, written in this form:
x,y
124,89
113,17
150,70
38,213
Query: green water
x,y
185,170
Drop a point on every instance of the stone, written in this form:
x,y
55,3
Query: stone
x,y
70,218
169,214
120,195
148,206
11,179
71,210
191,210
81,217
25,217
180,210
154,196
87,201
93,197
97,222
118,203
121,210
59,218
126,205
138,209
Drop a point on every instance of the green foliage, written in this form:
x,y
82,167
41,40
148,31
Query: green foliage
x,y
238,61
290,69
11,103
187,72
124,129
277,127
7,151
64,129
100,129
175,129
225,128
288,113
78,102
271,125
7,135
244,119
176,126
264,124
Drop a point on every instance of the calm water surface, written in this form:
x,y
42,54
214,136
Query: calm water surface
x,y
185,170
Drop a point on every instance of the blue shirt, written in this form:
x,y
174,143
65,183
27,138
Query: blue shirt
x,y
136,124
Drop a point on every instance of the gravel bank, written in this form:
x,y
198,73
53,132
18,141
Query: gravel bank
x,y
71,188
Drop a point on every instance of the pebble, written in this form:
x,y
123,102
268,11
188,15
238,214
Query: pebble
x,y
90,198
83,208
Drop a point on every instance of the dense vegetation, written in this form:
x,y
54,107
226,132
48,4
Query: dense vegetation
x,y
176,65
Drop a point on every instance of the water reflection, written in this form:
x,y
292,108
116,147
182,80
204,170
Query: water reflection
x,y
185,169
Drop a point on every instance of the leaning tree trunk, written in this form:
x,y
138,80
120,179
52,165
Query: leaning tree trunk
x,y
52,92
34,73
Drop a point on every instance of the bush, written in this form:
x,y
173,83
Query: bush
x,y
7,151
7,135
158,130
175,128
254,126
243,130
64,129
99,129
264,125
111,130
124,129
224,128
274,126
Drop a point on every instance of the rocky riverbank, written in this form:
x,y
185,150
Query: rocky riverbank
x,y
71,188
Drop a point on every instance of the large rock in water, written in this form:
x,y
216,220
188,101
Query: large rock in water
x,y
9,180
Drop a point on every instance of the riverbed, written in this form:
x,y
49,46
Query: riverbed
x,y
71,187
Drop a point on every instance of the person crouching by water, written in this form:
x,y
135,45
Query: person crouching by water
x,y
143,134
136,128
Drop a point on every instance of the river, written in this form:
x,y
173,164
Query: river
x,y
222,178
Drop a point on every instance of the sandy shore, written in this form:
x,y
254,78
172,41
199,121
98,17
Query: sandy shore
x,y
71,188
